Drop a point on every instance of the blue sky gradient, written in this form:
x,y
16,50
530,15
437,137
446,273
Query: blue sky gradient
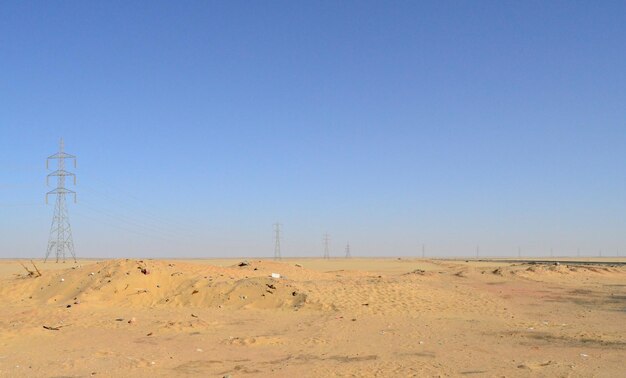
x,y
386,124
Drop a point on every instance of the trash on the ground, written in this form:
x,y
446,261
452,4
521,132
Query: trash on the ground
x,y
584,355
275,275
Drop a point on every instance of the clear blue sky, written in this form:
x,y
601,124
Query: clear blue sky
x,y
198,124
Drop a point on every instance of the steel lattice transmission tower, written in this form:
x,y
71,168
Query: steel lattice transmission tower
x,y
348,255
326,251
60,240
277,255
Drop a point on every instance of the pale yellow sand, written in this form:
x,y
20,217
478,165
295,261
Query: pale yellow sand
x,y
358,317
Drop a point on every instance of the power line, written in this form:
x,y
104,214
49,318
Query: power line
x,y
136,203
122,222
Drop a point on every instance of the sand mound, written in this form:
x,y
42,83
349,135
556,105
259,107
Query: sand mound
x,y
546,270
156,283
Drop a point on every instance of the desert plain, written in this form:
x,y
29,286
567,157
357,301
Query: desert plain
x,y
321,318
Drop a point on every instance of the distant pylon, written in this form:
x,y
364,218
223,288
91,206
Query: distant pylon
x,y
477,251
60,240
348,255
277,255
326,250
423,251
519,252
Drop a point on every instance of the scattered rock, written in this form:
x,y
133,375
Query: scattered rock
x,y
132,320
243,263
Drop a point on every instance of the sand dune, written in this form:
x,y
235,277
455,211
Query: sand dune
x,y
358,317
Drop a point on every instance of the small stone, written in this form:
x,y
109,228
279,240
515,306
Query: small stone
x,y
62,279
132,320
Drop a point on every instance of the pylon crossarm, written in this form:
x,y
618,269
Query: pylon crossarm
x,y
61,191
61,155
60,173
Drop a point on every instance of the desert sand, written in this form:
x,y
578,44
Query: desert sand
x,y
321,318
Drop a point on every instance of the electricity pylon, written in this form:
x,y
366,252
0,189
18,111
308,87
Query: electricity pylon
x,y
348,255
326,251
277,255
60,240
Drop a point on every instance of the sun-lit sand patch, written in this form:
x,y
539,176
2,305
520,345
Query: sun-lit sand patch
x,y
337,317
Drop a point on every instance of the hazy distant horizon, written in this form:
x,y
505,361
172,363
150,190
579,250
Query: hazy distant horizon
x,y
386,125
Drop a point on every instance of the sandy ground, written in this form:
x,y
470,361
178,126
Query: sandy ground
x,y
322,318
